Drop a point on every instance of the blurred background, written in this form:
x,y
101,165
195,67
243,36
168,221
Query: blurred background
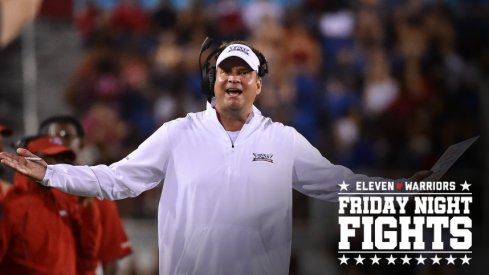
x,y
380,86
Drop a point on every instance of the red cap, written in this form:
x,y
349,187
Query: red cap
x,y
49,146
5,131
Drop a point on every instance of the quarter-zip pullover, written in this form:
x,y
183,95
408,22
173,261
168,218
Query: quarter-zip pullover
x,y
224,209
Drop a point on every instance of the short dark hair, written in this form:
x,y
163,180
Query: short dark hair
x,y
43,128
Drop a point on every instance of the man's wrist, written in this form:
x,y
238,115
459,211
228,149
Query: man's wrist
x,y
47,174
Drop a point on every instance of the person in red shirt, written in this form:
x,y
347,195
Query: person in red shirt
x,y
114,244
40,227
35,233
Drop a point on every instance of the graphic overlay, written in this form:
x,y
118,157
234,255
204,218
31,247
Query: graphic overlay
x,y
406,222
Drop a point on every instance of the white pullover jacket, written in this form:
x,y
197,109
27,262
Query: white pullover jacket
x,y
225,209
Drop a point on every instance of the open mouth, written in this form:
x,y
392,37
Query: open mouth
x,y
233,92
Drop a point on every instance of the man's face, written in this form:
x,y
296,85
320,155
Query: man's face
x,y
236,87
67,133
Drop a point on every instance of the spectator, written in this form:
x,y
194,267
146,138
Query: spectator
x,y
114,242
37,219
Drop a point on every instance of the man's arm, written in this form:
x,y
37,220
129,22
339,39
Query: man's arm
x,y
315,176
141,170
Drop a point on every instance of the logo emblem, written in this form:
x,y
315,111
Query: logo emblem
x,y
55,140
263,157
239,48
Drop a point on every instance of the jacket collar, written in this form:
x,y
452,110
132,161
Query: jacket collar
x,y
210,110
249,127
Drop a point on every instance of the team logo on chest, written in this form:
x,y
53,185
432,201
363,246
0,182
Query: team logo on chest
x,y
263,157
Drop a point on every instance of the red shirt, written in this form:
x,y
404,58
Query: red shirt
x,y
80,232
87,230
35,233
115,243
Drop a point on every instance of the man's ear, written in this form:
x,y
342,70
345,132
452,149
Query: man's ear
x,y
258,85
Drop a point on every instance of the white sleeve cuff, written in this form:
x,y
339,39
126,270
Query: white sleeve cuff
x,y
47,176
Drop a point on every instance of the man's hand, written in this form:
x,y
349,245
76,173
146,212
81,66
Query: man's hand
x,y
421,175
35,169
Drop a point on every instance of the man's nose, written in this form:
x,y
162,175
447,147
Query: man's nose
x,y
234,78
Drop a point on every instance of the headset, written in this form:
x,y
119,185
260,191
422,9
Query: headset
x,y
208,71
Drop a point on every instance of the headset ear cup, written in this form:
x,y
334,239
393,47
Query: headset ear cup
x,y
205,80
211,76
263,68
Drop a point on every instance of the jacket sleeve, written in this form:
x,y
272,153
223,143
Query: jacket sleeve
x,y
315,176
141,170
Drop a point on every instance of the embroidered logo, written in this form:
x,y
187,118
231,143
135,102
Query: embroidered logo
x,y
239,48
263,157
55,140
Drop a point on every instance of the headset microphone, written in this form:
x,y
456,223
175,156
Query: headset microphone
x,y
206,44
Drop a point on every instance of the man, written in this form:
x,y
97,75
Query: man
x,y
228,172
40,226
4,184
114,243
